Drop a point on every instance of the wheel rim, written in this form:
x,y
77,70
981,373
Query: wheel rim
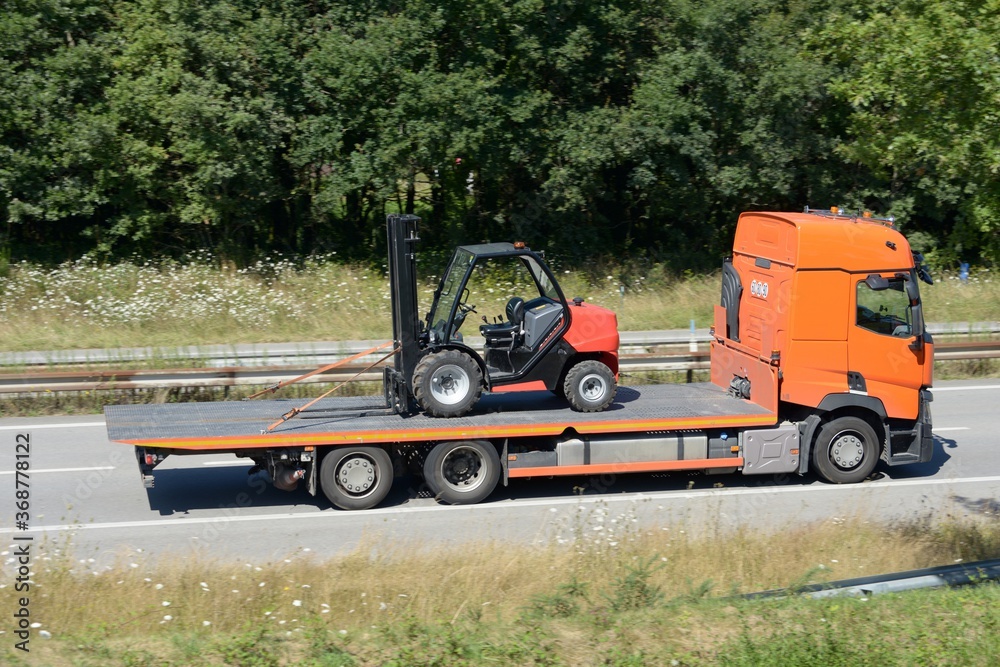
x,y
450,384
593,388
357,475
462,469
847,450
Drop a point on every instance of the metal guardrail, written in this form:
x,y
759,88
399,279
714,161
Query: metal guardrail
x,y
36,382
319,353
963,574
286,354
263,365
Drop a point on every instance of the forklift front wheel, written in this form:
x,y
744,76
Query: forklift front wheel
x,y
590,386
447,383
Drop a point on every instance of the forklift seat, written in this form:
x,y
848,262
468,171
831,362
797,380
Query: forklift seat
x,y
506,334
515,310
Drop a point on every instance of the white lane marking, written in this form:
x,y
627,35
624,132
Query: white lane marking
x,y
35,471
33,427
966,388
951,428
514,505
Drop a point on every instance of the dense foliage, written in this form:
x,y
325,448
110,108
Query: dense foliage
x,y
638,127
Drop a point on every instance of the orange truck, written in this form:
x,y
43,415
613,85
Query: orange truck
x,y
820,362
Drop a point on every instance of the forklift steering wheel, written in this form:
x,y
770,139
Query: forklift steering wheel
x,y
463,311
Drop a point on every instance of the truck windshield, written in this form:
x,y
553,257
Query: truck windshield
x,y
886,311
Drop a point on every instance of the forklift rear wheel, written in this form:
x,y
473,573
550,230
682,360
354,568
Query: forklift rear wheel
x,y
462,472
356,478
447,383
846,450
590,386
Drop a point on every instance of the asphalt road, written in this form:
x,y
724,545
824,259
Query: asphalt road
x,y
85,494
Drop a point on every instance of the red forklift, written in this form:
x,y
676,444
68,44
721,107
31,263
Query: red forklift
x,y
540,342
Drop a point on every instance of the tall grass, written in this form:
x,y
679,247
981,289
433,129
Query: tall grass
x,y
952,300
579,599
83,305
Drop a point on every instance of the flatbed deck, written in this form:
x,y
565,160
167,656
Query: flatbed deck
x,y
232,425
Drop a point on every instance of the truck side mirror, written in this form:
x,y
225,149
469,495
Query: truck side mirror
x,y
916,310
876,282
922,272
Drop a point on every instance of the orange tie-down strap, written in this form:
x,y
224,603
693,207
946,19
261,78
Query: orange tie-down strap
x,y
295,411
340,362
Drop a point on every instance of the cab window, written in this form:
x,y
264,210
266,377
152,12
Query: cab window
x,y
885,311
545,286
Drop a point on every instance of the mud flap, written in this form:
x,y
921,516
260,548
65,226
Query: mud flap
x,y
311,485
919,441
807,433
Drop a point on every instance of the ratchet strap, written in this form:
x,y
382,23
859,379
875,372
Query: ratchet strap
x,y
295,411
341,362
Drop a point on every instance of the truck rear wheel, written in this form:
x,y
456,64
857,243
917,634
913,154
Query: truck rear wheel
x,y
447,383
356,478
590,386
846,450
462,472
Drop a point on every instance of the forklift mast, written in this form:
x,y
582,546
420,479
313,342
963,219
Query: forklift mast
x,y
401,231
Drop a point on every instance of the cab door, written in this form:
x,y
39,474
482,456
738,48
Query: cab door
x,y
885,342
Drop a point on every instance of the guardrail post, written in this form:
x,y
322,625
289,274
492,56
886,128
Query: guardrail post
x,y
692,347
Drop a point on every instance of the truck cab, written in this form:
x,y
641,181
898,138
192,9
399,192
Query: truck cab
x,y
821,319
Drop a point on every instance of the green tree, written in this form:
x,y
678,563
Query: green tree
x,y
54,124
923,82
199,130
732,113
585,128
382,114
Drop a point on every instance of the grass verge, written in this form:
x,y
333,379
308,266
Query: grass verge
x,y
615,596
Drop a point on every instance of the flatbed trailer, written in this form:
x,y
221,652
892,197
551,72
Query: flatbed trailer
x,y
198,428
648,429
820,361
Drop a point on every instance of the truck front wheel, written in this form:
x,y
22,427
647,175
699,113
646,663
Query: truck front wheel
x,y
356,478
846,450
462,472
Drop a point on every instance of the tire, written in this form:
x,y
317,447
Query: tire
x,y
590,386
356,478
846,450
463,472
447,383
